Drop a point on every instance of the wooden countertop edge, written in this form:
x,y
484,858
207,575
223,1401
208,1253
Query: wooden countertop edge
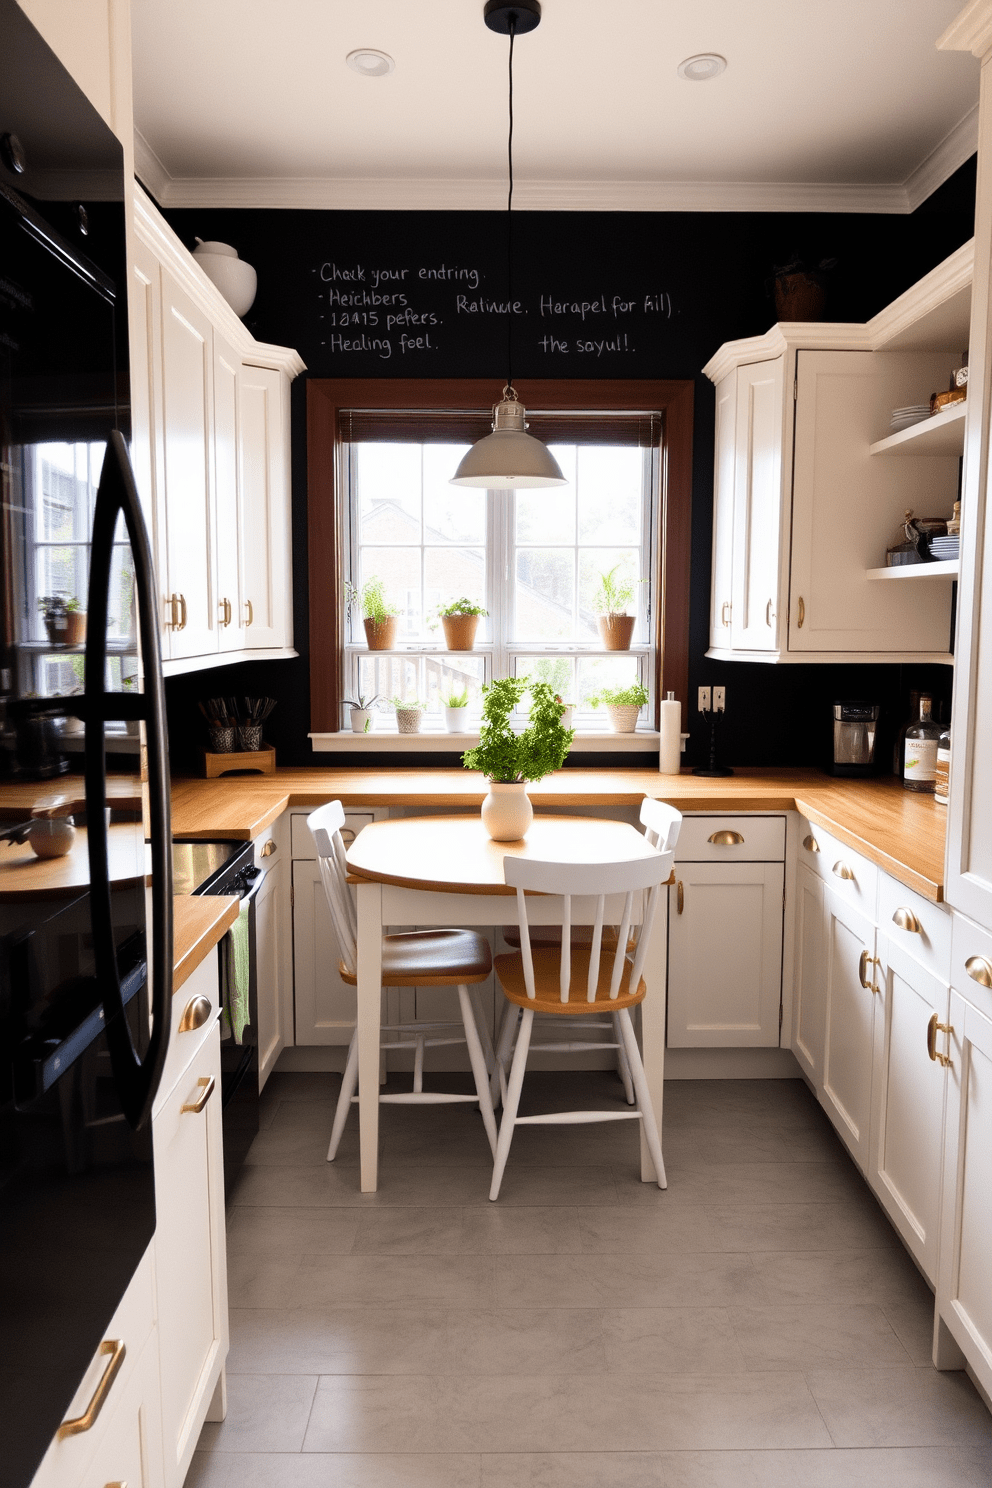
x,y
910,877
199,923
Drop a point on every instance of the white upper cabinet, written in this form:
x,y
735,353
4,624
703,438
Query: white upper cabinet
x,y
721,592
757,505
228,494
266,579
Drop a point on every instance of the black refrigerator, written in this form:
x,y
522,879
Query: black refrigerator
x,y
85,870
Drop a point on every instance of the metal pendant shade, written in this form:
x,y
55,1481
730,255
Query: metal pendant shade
x,y
509,458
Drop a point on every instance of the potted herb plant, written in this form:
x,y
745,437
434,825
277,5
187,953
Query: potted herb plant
x,y
623,705
54,612
75,615
613,596
361,712
460,620
456,711
508,760
409,714
378,616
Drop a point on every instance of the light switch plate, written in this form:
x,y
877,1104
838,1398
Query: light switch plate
x,y
719,699
705,699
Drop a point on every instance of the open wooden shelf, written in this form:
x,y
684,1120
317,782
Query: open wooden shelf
x,y
947,570
941,434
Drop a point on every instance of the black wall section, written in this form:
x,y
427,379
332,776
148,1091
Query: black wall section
x,y
423,294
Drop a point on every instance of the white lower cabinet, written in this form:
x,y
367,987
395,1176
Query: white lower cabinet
x,y
807,1004
725,955
130,1452
908,1094
849,999
191,1261
964,1283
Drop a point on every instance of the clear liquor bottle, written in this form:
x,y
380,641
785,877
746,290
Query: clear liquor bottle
x,y
919,770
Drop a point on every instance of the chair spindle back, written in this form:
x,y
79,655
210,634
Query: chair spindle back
x,y
325,825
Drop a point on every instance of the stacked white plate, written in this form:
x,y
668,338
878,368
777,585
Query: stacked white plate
x,y
903,417
945,548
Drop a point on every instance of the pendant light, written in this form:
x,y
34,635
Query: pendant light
x,y
509,458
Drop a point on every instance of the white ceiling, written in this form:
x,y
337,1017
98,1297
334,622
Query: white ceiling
x,y
825,104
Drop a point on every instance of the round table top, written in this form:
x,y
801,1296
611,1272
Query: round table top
x,y
455,854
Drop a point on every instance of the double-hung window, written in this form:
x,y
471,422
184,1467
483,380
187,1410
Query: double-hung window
x,y
534,559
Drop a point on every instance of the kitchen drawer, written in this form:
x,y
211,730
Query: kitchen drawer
x,y
970,943
762,839
269,847
303,842
925,931
833,861
196,1005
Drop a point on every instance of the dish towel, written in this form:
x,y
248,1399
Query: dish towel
x,y
236,988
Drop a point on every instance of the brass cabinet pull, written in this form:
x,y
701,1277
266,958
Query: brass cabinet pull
x,y
844,870
979,970
811,844
195,1014
226,613
250,617
348,835
906,920
802,611
933,1028
679,896
173,606
863,965
182,613
206,1087
268,849
726,839
115,1350
769,613
726,609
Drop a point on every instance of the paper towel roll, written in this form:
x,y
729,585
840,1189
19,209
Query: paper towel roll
x,y
670,744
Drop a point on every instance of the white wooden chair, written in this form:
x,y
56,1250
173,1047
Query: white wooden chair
x,y
418,958
662,824
569,981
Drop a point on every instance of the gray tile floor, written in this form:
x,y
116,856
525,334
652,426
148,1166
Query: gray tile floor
x,y
756,1326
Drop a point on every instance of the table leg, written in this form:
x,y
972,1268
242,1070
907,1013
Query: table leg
x,y
653,1026
369,1020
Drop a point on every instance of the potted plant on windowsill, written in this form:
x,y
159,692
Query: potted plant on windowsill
x,y
361,713
510,760
623,705
456,711
54,612
460,620
409,714
616,627
378,616
75,615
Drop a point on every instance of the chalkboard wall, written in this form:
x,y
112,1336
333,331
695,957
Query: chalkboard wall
x,y
425,294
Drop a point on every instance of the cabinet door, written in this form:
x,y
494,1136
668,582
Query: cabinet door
x,y
721,579
964,1284
725,955
325,1005
808,1008
187,409
908,1089
847,505
266,582
145,328
849,1008
190,1253
269,930
227,508
758,505
131,1450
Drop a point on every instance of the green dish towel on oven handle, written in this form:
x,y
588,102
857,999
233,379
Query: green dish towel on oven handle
x,y
237,974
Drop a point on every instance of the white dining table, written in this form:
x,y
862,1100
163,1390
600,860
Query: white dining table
x,y
446,870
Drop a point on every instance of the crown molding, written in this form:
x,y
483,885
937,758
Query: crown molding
x,y
149,169
952,152
971,31
798,335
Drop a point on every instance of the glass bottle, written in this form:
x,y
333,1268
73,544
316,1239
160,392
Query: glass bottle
x,y
943,777
898,753
919,767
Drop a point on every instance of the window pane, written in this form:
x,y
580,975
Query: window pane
x,y
455,514
609,486
619,670
593,564
453,672
558,670
399,570
387,478
545,593
454,573
388,676
546,515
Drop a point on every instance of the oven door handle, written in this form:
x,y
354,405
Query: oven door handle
x,y
137,1079
256,884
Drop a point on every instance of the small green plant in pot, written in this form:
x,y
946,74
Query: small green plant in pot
x,y
460,620
55,613
378,614
613,596
409,714
509,760
623,705
361,712
456,711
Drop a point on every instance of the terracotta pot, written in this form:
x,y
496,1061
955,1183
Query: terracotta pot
x,y
459,631
381,634
623,718
799,297
75,632
616,631
507,812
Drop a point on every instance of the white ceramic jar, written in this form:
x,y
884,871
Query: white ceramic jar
x,y
506,811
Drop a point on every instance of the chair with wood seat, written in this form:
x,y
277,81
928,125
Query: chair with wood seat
x,y
572,980
460,959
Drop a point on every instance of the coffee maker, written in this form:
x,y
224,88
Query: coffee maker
x,y
855,737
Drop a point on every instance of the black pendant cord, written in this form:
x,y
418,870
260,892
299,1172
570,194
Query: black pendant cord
x,y
509,224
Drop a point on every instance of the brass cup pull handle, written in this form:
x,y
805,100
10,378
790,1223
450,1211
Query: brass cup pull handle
x,y
863,964
182,613
725,612
802,612
195,1014
206,1087
979,970
726,839
844,870
268,849
906,920
115,1350
226,613
769,614
250,616
679,895
933,1028
811,844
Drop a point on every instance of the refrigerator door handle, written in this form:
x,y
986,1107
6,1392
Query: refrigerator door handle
x,y
137,1079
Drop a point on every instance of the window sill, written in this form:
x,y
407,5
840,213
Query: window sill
x,y
436,741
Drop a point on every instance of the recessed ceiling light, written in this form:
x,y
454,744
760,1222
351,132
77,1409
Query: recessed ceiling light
x,y
702,67
369,62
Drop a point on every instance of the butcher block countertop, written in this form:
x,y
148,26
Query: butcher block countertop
x,y
900,831
199,922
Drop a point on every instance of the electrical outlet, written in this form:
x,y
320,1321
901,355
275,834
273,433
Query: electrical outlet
x,y
719,699
705,699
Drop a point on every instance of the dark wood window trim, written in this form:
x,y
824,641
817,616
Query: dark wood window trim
x,y
326,396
